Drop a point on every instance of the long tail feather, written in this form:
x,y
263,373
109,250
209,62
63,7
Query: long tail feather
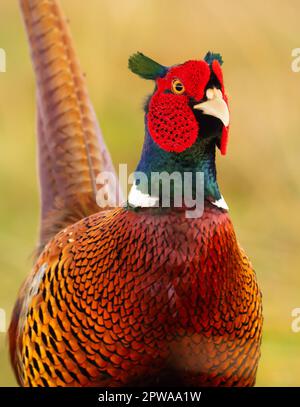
x,y
71,148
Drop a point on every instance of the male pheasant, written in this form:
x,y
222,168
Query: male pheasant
x,y
139,294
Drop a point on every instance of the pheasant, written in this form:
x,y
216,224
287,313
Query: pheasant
x,y
143,293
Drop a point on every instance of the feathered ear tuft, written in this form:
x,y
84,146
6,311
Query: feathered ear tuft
x,y
145,67
210,57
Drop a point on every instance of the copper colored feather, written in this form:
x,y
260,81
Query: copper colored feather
x,y
71,149
134,298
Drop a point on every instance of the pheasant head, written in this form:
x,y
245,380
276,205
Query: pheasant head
x,y
189,102
186,117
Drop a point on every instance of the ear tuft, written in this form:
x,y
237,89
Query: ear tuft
x,y
210,57
145,67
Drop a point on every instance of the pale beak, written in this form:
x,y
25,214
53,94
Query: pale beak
x,y
215,106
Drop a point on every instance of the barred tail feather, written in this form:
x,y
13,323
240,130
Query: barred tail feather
x,y
71,148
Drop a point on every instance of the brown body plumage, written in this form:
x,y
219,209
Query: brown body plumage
x,y
134,298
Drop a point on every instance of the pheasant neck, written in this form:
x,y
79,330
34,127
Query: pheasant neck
x,y
200,158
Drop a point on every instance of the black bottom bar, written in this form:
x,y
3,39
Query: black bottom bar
x,y
142,397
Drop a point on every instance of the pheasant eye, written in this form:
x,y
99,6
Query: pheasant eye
x,y
177,87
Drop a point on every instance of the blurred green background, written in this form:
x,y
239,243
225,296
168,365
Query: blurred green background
x,y
259,177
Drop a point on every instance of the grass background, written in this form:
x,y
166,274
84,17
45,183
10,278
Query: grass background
x,y
259,177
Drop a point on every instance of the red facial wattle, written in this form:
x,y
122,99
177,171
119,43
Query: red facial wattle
x,y
171,120
193,74
172,123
